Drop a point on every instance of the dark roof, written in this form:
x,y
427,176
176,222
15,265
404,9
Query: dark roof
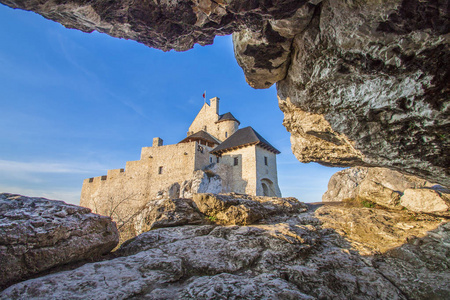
x,y
244,137
227,117
200,135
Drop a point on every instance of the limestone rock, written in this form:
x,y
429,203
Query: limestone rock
x,y
421,266
344,184
379,185
426,200
167,213
376,72
163,24
37,234
333,252
409,249
203,181
233,262
263,55
313,139
235,209
370,230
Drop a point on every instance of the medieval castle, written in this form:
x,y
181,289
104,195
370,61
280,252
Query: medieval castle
x,y
216,156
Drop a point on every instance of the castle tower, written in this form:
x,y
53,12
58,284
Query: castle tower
x,y
227,124
208,119
214,104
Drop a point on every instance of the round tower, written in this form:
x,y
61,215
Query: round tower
x,y
227,125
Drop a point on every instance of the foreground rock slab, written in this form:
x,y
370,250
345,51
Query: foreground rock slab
x,y
220,262
37,234
291,251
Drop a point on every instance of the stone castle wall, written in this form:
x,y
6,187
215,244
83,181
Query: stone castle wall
x,y
141,180
244,174
266,173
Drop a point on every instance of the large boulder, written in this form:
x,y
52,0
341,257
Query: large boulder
x,y
426,200
37,234
167,213
379,185
238,209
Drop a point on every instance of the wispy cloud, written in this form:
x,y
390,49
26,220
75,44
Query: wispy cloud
x,y
69,196
45,167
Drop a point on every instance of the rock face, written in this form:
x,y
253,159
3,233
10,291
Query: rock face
x,y
426,200
361,83
235,209
295,254
207,208
37,234
378,185
375,72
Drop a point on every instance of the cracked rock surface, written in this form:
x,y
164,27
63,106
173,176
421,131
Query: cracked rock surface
x,y
37,234
329,251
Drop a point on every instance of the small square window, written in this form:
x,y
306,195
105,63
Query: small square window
x,y
160,170
217,159
236,161
265,161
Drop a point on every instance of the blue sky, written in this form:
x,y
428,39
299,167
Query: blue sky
x,y
74,105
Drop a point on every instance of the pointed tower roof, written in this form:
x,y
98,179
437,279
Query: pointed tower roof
x,y
227,117
242,138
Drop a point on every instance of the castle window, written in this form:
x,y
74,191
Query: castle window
x,y
160,170
265,161
217,159
204,128
226,134
236,161
210,159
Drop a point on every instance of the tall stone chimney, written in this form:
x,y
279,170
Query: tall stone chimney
x,y
157,142
215,104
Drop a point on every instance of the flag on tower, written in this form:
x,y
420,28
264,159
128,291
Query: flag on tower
x,y
204,94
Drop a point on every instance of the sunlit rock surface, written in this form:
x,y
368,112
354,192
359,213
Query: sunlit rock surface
x,y
426,200
375,74
379,185
37,234
324,252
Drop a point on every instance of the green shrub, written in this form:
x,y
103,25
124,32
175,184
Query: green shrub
x,y
367,204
